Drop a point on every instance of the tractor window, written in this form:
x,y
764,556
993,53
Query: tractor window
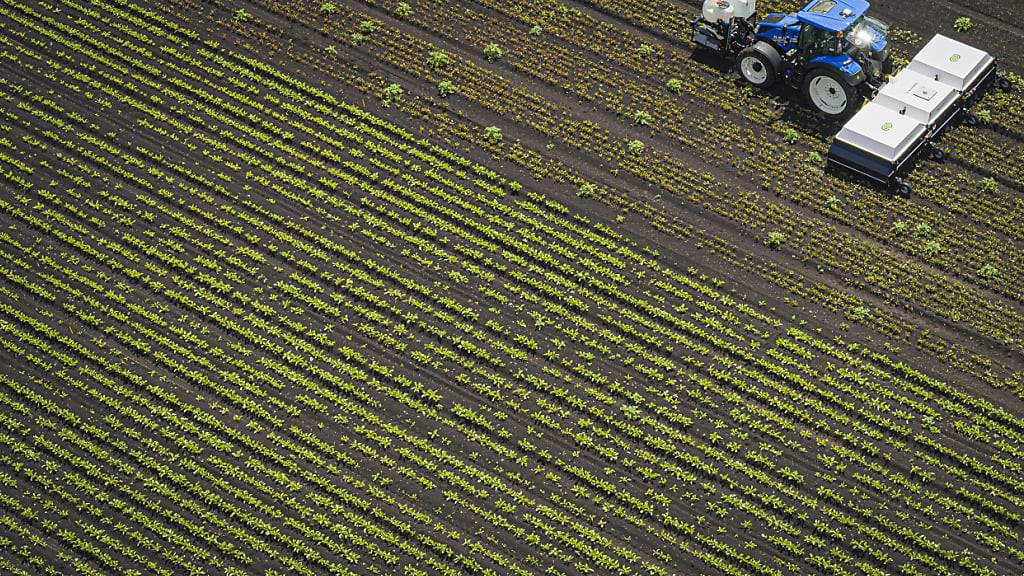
x,y
815,41
823,7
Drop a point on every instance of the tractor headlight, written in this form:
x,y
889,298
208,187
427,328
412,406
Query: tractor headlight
x,y
864,37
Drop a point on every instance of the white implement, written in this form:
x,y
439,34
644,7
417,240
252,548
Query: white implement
x,y
952,63
912,109
920,97
882,131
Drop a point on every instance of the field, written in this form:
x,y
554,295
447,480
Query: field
x,y
490,287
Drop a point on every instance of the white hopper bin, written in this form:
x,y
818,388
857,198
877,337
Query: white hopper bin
x,y
920,97
951,62
876,141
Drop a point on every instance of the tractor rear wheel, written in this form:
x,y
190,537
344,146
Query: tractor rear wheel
x,y
829,93
755,68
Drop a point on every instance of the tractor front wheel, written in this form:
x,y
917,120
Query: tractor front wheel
x,y
829,93
756,69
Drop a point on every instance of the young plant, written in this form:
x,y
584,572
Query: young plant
x,y
536,30
493,134
674,85
989,185
988,272
492,52
642,118
775,239
390,94
438,59
963,24
328,8
636,147
587,190
403,9
446,88
932,248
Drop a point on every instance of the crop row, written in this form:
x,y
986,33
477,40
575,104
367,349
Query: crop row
x,y
609,396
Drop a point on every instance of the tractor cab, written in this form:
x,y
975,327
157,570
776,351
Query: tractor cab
x,y
831,49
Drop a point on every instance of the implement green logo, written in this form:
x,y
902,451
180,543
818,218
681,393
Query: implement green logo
x,y
954,58
887,126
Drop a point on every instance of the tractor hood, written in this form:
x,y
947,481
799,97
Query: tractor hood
x,y
833,15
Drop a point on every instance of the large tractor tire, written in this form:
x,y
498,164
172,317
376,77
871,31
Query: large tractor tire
x,y
829,93
757,68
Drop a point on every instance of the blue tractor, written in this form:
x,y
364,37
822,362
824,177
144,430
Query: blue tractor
x,y
831,50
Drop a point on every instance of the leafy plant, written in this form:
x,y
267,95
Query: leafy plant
x,y
932,248
674,85
631,412
858,313
988,272
586,190
492,52
368,26
403,9
645,50
963,24
791,135
775,239
492,134
536,30
438,59
241,15
391,93
446,88
636,146
988,185
641,118
328,8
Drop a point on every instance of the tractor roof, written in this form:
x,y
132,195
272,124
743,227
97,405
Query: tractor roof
x,y
832,15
